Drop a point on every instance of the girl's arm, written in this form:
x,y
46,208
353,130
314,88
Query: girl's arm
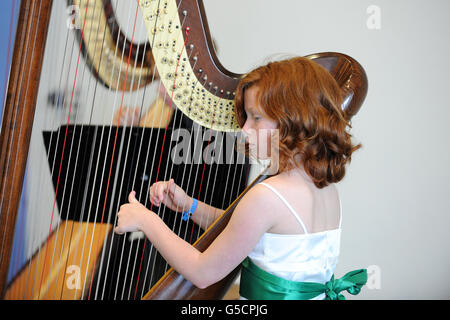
x,y
205,214
176,199
252,217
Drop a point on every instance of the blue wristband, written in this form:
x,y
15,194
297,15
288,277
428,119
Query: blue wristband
x,y
190,212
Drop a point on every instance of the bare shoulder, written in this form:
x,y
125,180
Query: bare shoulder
x,y
317,208
258,197
258,203
287,184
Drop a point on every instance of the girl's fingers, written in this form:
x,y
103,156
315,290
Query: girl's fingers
x,y
158,189
161,192
153,190
171,188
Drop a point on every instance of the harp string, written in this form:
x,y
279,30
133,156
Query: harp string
x,y
97,162
65,251
191,169
160,158
69,247
126,154
123,172
145,200
183,175
152,168
62,209
62,204
27,50
217,136
79,142
170,174
62,156
111,124
190,175
115,141
135,175
153,161
204,164
113,235
33,241
158,212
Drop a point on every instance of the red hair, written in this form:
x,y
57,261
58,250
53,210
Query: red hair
x,y
305,100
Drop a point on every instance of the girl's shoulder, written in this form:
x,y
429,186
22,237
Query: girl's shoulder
x,y
264,197
286,184
318,209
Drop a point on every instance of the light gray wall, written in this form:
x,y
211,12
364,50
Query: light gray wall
x,y
395,196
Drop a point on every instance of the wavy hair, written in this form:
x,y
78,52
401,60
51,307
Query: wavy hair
x,y
305,100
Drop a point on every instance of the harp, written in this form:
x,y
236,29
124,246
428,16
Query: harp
x,y
64,149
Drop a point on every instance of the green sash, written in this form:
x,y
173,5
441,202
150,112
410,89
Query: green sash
x,y
258,284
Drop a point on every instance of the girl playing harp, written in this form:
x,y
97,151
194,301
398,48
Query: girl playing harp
x,y
286,230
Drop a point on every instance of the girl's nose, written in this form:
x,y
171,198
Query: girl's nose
x,y
246,132
246,128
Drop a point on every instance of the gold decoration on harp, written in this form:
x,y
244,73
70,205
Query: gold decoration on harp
x,y
105,53
189,94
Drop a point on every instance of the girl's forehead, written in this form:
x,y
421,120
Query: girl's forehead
x,y
251,102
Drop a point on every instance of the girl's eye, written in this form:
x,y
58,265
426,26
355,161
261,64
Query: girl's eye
x,y
257,118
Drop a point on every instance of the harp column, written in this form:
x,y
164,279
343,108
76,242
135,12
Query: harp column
x,y
18,118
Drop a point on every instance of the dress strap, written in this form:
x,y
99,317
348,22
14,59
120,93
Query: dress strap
x,y
340,213
287,204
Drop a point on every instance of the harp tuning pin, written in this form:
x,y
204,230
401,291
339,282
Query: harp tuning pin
x,y
205,77
191,46
195,58
184,13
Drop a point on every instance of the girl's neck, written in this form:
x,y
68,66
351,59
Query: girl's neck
x,y
296,172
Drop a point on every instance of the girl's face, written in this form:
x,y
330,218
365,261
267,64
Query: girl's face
x,y
258,129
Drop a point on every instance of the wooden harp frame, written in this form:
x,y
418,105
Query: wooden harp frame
x,y
20,108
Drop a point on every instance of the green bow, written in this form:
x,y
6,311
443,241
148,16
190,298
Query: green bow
x,y
351,282
258,284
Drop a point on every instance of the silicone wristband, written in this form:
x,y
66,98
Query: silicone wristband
x,y
188,214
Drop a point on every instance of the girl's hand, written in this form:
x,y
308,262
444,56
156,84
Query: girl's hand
x,y
131,215
171,195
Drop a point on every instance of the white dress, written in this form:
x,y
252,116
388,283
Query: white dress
x,y
308,257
